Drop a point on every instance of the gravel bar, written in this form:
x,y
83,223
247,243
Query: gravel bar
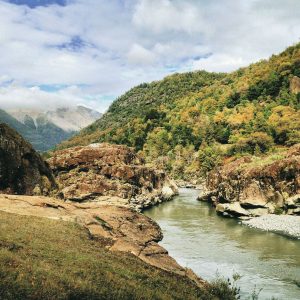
x,y
282,224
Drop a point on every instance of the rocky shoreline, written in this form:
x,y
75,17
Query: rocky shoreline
x,y
282,224
194,184
256,186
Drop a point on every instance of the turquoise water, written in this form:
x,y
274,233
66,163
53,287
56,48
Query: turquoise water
x,y
199,239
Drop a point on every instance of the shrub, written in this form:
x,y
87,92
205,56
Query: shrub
x,y
254,143
225,289
209,157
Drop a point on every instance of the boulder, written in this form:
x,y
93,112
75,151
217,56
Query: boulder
x,y
252,196
206,195
256,212
91,172
22,170
232,209
293,201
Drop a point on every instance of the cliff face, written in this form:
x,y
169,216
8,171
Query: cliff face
x,y
248,188
113,174
22,170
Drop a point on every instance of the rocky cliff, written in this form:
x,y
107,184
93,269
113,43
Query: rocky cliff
x,y
111,174
22,170
254,187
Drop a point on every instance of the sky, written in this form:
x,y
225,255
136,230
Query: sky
x,y
67,52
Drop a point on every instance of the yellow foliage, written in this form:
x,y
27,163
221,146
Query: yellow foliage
x,y
241,115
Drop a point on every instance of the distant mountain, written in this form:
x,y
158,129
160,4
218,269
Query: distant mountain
x,y
46,129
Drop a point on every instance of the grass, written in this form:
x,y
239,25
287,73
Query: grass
x,y
262,161
48,259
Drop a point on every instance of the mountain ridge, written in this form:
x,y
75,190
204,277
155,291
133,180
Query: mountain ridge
x,y
189,122
46,129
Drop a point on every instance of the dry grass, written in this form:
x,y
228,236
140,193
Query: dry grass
x,y
47,259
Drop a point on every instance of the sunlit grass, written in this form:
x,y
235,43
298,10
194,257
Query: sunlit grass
x,y
47,259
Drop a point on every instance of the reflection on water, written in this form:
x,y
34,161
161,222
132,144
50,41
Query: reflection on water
x,y
199,239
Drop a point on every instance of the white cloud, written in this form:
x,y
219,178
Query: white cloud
x,y
17,97
139,55
98,49
21,97
219,62
166,15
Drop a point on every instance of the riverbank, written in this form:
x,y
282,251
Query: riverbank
x,y
282,224
62,261
90,251
119,228
255,186
200,239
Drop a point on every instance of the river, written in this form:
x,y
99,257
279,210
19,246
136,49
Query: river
x,y
209,244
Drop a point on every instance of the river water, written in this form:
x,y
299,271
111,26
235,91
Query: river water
x,y
209,244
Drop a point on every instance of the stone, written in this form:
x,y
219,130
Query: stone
x,y
293,201
92,172
265,185
282,224
22,169
206,195
233,209
296,211
256,212
253,196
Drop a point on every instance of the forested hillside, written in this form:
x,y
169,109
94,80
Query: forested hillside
x,y
188,123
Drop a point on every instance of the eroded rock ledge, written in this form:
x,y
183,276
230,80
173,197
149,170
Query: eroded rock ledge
x,y
249,188
112,174
117,228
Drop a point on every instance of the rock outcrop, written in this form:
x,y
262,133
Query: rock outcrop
x,y
295,85
246,187
22,170
112,174
116,228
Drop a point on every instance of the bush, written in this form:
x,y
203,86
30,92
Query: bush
x,y
209,157
253,143
225,289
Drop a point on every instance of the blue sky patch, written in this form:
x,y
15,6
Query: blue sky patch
x,y
52,88
75,44
35,3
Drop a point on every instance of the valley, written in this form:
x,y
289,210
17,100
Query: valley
x,y
109,186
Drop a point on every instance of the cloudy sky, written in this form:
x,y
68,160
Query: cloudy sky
x,y
63,52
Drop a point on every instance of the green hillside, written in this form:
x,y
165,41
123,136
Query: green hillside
x,y
188,123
